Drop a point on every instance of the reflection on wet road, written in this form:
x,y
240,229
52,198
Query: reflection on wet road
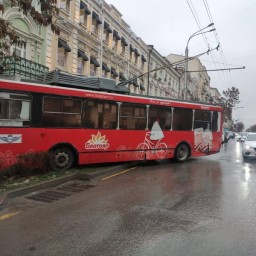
x,y
205,206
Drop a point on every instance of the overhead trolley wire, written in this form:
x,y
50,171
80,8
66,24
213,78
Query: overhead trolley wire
x,y
193,11
218,41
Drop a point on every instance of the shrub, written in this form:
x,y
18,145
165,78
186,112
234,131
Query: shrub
x,y
7,159
27,165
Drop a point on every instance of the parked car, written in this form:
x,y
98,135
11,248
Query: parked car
x,y
238,137
249,146
244,136
241,137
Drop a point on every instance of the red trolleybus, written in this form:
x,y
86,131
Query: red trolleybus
x,y
77,126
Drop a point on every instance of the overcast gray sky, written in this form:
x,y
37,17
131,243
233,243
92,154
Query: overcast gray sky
x,y
168,24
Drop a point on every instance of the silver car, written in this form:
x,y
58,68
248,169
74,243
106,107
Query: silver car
x,y
249,146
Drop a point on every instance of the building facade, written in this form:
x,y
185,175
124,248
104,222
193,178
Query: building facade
x,y
198,80
94,40
32,34
215,95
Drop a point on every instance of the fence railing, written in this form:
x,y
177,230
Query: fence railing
x,y
13,65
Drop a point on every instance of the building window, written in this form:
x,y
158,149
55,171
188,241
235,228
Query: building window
x,y
116,38
81,58
121,77
123,45
95,23
62,57
94,64
143,60
136,56
106,32
114,74
80,66
84,12
131,51
63,49
19,50
105,70
65,5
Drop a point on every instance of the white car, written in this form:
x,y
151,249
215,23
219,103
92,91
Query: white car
x,y
249,146
241,137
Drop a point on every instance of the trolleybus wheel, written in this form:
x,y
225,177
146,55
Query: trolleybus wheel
x,y
181,153
61,159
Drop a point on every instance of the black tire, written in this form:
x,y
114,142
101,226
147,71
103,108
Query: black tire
x,y
181,153
61,159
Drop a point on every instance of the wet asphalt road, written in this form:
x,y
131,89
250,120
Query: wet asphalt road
x,y
203,207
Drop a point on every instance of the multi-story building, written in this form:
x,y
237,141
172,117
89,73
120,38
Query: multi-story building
x,y
31,57
94,40
215,95
164,82
198,82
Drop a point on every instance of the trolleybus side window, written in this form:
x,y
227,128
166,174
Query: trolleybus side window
x,y
15,109
202,119
133,116
100,115
162,115
61,112
215,121
182,119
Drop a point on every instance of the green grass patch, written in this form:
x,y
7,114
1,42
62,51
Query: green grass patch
x,y
11,183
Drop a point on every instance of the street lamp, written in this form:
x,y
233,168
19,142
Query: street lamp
x,y
186,53
150,48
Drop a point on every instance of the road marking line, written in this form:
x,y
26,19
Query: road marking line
x,y
113,175
9,215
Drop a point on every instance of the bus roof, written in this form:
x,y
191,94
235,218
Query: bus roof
x,y
38,87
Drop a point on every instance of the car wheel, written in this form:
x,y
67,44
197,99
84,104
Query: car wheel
x,y
61,159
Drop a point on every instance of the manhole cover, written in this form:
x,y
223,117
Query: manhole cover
x,y
63,191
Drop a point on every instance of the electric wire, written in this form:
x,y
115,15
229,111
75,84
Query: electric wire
x,y
218,41
192,8
225,75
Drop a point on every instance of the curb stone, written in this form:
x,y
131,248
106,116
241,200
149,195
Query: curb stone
x,y
101,171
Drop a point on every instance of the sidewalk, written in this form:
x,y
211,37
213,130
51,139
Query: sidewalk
x,y
99,171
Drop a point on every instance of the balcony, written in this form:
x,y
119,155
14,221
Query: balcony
x,y
13,66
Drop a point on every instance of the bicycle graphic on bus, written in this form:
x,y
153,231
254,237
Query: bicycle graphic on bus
x,y
152,144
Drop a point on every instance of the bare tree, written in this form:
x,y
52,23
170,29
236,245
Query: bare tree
x,y
239,126
252,128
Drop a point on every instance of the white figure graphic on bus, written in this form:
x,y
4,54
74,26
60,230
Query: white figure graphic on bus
x,y
152,144
203,139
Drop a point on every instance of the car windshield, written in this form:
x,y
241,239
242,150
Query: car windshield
x,y
251,137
